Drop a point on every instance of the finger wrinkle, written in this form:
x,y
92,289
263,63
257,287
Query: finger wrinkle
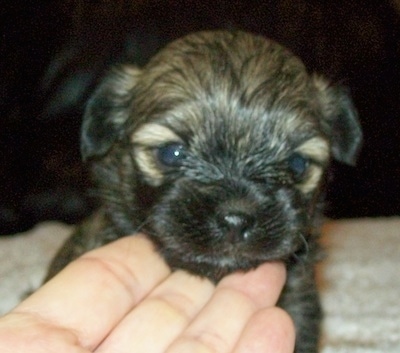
x,y
182,304
43,331
119,276
169,306
213,342
240,298
202,342
175,292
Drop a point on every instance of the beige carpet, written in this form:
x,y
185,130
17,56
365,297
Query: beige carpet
x,y
359,279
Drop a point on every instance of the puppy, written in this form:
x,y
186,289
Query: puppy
x,y
217,150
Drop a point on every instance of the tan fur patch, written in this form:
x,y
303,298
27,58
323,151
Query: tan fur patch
x,y
313,179
145,159
317,149
145,140
153,134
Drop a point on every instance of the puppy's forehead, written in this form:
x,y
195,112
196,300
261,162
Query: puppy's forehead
x,y
234,87
222,65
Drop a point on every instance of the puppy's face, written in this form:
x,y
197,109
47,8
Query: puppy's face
x,y
217,149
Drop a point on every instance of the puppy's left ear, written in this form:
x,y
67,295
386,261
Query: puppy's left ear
x,y
107,112
341,122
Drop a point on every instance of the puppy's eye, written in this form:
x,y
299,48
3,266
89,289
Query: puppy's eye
x,y
171,155
298,165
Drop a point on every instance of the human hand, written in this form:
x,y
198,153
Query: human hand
x,y
123,298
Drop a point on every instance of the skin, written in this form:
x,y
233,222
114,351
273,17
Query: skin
x,y
123,298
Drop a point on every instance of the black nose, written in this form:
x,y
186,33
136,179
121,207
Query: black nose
x,y
236,225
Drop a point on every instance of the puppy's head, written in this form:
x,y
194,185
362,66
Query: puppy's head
x,y
217,149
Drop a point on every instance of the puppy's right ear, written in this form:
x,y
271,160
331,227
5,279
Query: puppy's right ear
x,y
107,112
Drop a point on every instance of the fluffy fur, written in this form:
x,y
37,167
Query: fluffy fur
x,y
217,150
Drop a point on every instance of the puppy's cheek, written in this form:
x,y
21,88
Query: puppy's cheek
x,y
292,212
179,219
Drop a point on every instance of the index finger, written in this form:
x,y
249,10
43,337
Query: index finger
x,y
93,293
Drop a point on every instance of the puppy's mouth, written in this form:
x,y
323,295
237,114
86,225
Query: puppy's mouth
x,y
215,263
214,255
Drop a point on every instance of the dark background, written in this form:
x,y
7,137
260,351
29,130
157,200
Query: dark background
x,y
53,53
